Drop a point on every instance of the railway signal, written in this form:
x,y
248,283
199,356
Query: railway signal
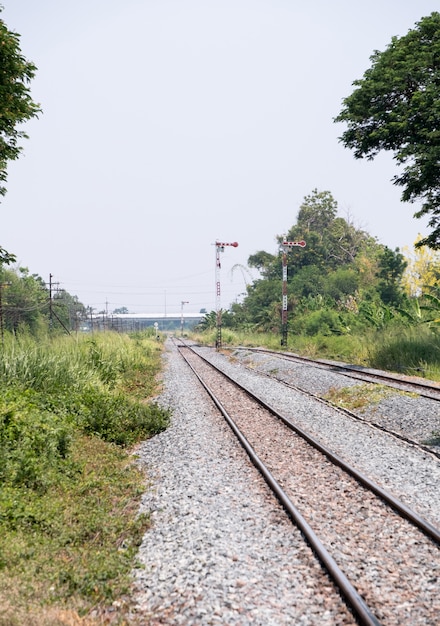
x,y
219,247
181,315
285,246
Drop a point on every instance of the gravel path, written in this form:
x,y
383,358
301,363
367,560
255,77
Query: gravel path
x,y
200,562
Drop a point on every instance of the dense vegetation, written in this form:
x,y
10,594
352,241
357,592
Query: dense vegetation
x,y
348,295
28,303
395,107
71,409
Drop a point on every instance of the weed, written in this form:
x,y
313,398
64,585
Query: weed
x,y
358,396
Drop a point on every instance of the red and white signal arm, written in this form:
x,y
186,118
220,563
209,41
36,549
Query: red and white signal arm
x,y
222,245
291,244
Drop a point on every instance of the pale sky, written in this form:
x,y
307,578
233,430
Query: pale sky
x,y
170,124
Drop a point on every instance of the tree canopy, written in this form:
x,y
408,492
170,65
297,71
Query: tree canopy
x,y
341,271
396,107
16,104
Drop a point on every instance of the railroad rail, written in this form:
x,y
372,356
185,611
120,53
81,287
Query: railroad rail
x,y
421,388
424,388
351,547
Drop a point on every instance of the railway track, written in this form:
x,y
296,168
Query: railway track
x,y
423,388
383,557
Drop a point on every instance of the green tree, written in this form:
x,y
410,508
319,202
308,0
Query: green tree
x,y
396,107
392,265
6,258
67,311
16,104
269,265
331,241
338,267
25,300
121,310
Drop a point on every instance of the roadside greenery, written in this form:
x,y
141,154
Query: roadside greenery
x,y
348,296
72,409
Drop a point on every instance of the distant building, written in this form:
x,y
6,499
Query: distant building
x,y
129,322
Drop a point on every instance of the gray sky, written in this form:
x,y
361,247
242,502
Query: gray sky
x,y
169,124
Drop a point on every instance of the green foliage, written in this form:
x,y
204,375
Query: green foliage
x,y
74,545
34,443
392,265
6,258
377,314
86,380
69,494
26,304
116,418
411,351
396,107
343,282
307,281
340,268
24,300
324,322
331,241
16,104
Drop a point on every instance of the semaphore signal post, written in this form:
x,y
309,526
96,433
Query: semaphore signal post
x,y
219,247
285,246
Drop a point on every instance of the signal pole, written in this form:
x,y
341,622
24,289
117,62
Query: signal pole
x,y
181,316
285,246
219,247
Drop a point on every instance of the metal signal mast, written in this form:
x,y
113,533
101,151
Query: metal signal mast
x,y
285,246
219,247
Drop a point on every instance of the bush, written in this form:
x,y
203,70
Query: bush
x,y
116,418
323,322
34,443
412,351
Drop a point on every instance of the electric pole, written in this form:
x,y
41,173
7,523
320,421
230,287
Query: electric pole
x,y
2,329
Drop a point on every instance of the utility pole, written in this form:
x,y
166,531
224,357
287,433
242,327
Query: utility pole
x,y
51,311
181,316
285,246
2,329
219,247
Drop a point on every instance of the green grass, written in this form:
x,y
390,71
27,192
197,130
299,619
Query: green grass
x,y
72,546
71,411
413,351
358,397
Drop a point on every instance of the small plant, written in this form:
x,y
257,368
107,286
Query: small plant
x,y
434,440
359,396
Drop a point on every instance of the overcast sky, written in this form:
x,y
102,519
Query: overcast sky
x,y
170,124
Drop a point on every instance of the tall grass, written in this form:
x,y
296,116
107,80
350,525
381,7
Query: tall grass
x,y
69,492
414,350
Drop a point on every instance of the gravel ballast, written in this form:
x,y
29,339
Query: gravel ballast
x,y
220,550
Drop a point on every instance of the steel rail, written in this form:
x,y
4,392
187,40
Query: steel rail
x,y
421,523
353,599
424,389
354,416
